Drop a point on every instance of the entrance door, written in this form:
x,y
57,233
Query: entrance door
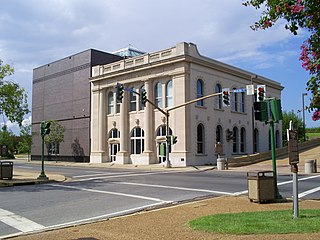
x,y
114,148
162,152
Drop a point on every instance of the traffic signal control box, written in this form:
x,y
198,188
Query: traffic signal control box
x,y
260,111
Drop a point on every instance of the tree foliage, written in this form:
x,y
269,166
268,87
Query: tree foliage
x,y
304,14
13,98
297,124
25,142
56,135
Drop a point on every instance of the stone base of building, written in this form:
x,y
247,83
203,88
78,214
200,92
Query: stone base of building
x,y
145,158
123,158
98,157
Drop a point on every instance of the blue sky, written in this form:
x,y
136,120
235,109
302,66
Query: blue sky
x,y
37,32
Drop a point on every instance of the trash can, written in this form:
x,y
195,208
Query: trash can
x,y
6,169
310,166
221,163
261,186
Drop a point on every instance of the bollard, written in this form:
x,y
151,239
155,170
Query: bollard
x,y
310,166
221,162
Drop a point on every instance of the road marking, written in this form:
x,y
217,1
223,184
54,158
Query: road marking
x,y
303,194
177,188
111,193
18,222
100,174
300,179
105,216
124,175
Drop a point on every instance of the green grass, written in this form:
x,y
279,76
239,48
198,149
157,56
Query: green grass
x,y
271,222
312,135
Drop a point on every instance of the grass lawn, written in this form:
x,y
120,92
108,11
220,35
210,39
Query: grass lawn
x,y
270,222
312,135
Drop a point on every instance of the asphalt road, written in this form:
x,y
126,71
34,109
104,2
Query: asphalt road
x,y
93,194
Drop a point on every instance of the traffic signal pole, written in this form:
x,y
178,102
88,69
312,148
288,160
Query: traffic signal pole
x,y
273,156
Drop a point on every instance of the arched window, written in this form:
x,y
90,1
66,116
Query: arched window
x,y
200,92
158,94
218,99
169,102
219,137
255,140
141,107
200,139
235,137
137,140
162,130
110,103
114,133
133,101
243,140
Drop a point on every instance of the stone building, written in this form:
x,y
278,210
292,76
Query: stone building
x,y
61,92
130,133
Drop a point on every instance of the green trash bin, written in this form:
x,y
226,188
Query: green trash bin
x,y
6,169
261,186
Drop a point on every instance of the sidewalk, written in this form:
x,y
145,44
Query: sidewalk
x,y
170,222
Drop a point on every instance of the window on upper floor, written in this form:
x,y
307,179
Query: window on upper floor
x,y
133,101
200,92
219,137
218,99
158,94
169,102
110,103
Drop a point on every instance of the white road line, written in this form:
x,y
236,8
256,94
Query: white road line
x,y
111,193
123,212
303,194
100,174
18,222
177,188
124,175
300,179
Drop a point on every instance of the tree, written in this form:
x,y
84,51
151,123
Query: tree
x,y
297,124
13,99
7,139
55,137
304,14
24,145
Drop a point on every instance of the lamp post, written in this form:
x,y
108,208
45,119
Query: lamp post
x,y
303,117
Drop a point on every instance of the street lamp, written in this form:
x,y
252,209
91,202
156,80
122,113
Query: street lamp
x,y
303,117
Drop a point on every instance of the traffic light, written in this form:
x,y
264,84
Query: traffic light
x,y
143,97
226,97
174,140
261,111
45,128
261,93
119,94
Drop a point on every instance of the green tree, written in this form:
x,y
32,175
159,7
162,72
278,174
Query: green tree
x,y
297,124
13,98
55,137
304,14
7,138
25,141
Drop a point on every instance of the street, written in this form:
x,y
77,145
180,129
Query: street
x,y
95,193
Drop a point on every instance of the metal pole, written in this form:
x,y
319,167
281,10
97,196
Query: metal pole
x,y
168,165
303,117
294,170
274,164
42,175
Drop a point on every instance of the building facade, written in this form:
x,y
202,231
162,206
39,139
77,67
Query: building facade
x,y
61,92
130,133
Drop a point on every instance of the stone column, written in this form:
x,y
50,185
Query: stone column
x,y
123,156
148,155
98,127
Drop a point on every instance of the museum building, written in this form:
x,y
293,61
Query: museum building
x,y
129,132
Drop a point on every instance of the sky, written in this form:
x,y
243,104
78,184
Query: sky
x,y
37,32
